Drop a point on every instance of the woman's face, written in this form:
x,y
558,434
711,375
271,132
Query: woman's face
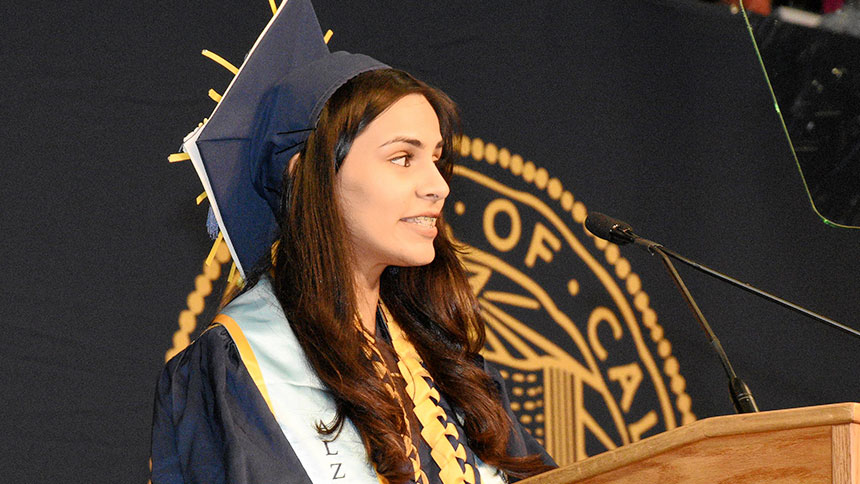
x,y
389,188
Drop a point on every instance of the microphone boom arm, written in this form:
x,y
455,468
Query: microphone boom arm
x,y
758,292
621,233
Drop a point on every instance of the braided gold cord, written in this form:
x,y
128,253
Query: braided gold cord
x,y
382,371
428,411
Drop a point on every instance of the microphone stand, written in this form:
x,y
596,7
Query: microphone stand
x,y
741,396
621,233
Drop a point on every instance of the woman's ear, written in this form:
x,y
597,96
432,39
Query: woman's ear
x,y
292,164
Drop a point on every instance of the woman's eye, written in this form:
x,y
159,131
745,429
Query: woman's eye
x,y
402,160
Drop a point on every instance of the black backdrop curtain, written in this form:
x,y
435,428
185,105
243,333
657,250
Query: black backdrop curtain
x,y
654,111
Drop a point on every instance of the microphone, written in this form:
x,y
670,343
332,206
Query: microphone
x,y
621,233
616,231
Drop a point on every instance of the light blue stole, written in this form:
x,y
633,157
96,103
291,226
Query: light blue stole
x,y
295,395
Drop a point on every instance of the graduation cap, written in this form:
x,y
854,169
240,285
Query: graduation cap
x,y
263,119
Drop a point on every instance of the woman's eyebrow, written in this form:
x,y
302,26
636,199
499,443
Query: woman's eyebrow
x,y
412,141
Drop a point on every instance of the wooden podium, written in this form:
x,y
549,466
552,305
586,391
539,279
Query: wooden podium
x,y
797,446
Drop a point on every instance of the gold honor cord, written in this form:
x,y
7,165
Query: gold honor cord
x,y
784,127
453,467
371,351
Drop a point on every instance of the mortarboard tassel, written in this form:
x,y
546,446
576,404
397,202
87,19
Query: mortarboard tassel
x,y
212,224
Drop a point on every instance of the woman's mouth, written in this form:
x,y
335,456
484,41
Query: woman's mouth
x,y
422,221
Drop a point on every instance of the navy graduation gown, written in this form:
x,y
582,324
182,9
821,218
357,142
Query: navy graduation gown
x,y
211,424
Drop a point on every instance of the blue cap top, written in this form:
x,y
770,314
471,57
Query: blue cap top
x,y
263,119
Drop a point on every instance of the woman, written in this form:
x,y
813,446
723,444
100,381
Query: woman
x,y
351,354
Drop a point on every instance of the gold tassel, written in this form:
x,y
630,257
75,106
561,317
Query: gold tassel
x,y
201,197
327,36
274,7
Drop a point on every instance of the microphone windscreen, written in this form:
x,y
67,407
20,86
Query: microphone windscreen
x,y
601,226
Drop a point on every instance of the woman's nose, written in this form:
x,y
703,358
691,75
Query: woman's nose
x,y
433,185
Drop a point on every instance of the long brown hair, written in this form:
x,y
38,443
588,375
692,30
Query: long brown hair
x,y
312,279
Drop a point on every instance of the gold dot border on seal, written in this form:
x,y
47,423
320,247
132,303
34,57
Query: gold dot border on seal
x,y
196,300
478,150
